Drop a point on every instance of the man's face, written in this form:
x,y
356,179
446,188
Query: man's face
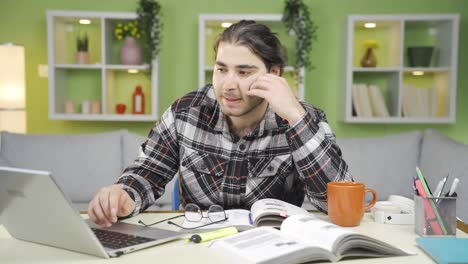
x,y
236,68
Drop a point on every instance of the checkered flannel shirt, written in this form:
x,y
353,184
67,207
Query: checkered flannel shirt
x,y
275,160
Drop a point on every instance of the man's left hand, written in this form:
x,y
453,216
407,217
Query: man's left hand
x,y
276,91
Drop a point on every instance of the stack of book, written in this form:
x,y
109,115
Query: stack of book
x,y
423,102
368,101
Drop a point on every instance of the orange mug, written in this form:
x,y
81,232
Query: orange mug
x,y
346,202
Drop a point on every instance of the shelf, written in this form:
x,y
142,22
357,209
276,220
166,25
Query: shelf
x,y
78,66
392,120
144,67
100,117
376,69
427,69
104,81
423,91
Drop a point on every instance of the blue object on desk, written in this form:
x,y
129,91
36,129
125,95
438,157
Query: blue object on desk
x,y
175,194
445,250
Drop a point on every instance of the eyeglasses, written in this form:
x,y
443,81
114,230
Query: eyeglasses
x,y
193,213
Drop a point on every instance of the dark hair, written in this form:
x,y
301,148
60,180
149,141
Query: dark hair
x,y
258,38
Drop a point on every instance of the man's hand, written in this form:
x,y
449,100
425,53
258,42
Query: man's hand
x,y
276,91
110,202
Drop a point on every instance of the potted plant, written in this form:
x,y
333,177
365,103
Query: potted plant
x,y
150,18
82,53
129,31
296,17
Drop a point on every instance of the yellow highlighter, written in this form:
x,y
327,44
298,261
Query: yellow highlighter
x,y
204,237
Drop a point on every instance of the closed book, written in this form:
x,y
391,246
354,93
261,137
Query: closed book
x,y
379,108
362,102
445,250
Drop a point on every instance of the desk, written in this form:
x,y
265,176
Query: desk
x,y
16,251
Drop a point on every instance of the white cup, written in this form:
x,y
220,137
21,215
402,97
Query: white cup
x,y
85,107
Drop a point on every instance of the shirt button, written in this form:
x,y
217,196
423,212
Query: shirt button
x,y
270,168
242,147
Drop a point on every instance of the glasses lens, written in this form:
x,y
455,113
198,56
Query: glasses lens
x,y
193,213
216,213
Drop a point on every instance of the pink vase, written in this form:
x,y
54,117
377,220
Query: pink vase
x,y
130,53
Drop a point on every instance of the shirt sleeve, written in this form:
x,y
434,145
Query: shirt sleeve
x,y
316,155
155,166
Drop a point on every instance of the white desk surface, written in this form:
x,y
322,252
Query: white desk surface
x,y
16,251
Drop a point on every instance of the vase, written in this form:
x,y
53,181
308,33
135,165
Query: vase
x,y
420,56
82,57
369,59
130,53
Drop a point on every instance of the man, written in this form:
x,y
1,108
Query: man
x,y
244,138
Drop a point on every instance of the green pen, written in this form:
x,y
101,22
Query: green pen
x,y
207,236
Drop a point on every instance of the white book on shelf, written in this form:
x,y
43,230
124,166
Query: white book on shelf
x,y
379,108
355,100
405,101
424,100
417,101
362,101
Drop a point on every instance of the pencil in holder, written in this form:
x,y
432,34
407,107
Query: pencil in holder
x,y
435,216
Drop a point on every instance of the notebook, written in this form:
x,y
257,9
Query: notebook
x,y
33,208
445,250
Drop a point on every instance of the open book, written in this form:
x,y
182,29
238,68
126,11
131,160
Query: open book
x,y
265,212
302,239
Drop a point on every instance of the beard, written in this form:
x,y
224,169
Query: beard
x,y
244,107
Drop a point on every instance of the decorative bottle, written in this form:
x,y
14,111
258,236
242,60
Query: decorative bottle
x,y
138,100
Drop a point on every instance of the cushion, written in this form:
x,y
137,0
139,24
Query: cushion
x,y
131,147
386,164
80,164
440,156
131,144
4,163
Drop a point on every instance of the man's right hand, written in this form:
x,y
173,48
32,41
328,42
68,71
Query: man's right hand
x,y
109,203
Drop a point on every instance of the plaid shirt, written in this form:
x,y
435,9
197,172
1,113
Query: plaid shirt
x,y
275,160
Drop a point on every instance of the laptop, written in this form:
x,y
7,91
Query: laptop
x,y
33,208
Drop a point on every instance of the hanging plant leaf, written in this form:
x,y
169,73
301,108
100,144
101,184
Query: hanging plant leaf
x,y
296,17
149,15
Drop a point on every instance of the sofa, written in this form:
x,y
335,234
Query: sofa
x,y
82,164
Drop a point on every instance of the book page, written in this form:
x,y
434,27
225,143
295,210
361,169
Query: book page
x,y
271,212
239,218
313,231
266,245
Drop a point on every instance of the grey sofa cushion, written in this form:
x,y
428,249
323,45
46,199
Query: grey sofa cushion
x,y
4,163
386,164
131,148
440,156
81,164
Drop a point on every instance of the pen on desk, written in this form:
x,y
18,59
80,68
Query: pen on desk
x,y
250,219
207,236
453,187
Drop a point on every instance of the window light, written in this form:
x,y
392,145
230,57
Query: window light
x,y
12,88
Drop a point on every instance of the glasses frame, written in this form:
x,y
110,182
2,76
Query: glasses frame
x,y
184,215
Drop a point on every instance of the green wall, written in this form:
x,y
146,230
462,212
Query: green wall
x,y
24,22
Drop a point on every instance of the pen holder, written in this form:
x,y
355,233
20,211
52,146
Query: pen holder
x,y
435,216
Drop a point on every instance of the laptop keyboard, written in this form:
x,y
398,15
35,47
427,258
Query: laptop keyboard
x,y
115,240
